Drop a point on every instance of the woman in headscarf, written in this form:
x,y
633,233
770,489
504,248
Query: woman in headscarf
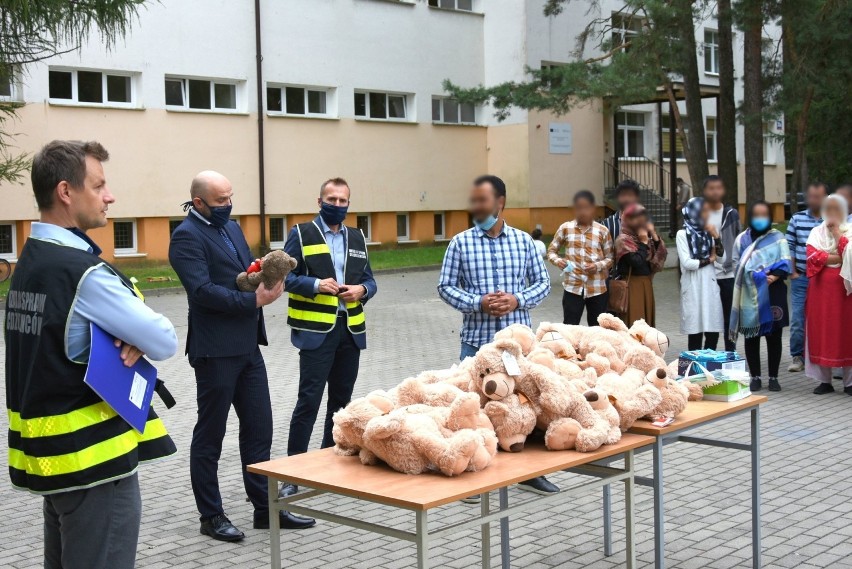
x,y
698,247
759,309
639,255
828,307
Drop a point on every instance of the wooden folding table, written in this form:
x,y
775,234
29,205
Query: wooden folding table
x,y
324,472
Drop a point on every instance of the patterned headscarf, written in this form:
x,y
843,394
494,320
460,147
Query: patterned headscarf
x,y
628,241
700,241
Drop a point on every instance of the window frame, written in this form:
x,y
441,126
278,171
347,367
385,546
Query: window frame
x,y
665,130
368,235
713,49
708,134
408,102
11,256
75,101
14,88
631,128
330,101
175,220
442,100
126,251
768,145
239,96
436,4
407,236
278,244
443,235
622,31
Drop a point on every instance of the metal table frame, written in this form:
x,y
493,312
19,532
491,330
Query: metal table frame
x,y
657,481
604,475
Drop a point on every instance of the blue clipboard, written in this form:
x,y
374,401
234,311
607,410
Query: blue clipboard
x,y
128,390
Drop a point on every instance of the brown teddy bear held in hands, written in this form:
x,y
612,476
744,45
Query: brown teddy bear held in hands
x,y
270,270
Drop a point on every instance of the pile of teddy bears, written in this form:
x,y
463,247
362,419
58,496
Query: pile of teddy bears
x,y
580,386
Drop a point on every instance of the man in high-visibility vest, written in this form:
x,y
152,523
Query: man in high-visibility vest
x,y
327,291
65,442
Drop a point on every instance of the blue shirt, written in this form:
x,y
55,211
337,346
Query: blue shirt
x,y
337,245
103,298
798,229
477,264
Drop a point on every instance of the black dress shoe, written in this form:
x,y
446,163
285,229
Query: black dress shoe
x,y
848,390
774,385
286,519
220,527
755,385
539,485
287,490
823,388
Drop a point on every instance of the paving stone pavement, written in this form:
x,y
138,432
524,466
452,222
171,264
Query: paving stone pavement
x,y
807,500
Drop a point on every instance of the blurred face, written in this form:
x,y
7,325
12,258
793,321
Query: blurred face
x,y
217,194
88,205
834,212
714,191
484,202
760,217
334,195
585,211
705,213
846,192
637,222
625,199
815,196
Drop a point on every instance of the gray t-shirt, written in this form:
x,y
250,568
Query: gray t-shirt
x,y
716,221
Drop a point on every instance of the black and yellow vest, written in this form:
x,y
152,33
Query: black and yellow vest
x,y
319,314
62,436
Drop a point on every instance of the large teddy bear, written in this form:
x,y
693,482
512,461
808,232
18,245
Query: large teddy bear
x,y
351,421
634,394
488,373
520,333
270,270
601,402
513,418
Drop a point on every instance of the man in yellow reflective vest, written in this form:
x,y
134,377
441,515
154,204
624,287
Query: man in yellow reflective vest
x,y
327,292
64,441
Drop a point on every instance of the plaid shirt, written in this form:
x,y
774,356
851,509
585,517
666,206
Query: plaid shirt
x,y
592,244
476,264
800,226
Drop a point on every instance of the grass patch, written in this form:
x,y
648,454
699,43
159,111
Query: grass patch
x,y
407,257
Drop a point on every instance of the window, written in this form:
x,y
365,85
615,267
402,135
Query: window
x,y
8,244
277,232
625,27
768,155
8,85
630,135
665,119
92,87
173,223
463,5
305,101
450,111
202,94
382,106
710,133
711,52
362,222
402,233
440,225
124,237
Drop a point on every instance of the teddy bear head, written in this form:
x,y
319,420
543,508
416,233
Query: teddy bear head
x,y
522,334
489,375
270,270
550,338
643,358
650,337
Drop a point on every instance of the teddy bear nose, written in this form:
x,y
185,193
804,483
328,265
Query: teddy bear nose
x,y
591,396
490,387
661,373
517,447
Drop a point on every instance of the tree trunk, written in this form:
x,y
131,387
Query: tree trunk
x,y
799,181
726,123
692,132
753,100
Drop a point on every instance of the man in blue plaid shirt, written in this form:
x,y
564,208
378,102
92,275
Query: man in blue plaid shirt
x,y
493,275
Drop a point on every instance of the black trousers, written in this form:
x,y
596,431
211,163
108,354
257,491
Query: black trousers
x,y
573,305
773,347
240,381
334,363
710,341
726,292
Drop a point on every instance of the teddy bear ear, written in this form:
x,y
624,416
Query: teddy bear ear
x,y
612,399
509,346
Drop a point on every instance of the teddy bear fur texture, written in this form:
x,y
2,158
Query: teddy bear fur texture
x,y
275,266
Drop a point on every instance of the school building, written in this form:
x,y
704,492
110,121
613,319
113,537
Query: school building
x,y
280,99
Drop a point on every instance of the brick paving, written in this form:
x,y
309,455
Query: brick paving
x,y
807,502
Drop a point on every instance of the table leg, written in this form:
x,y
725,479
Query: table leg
x,y
422,540
505,551
629,525
485,501
659,501
607,519
274,525
755,488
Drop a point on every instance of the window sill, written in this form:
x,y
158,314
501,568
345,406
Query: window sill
x,y
277,245
385,121
453,10
12,260
206,112
129,255
465,124
407,241
408,3
711,74
58,103
631,159
442,239
770,164
277,115
373,243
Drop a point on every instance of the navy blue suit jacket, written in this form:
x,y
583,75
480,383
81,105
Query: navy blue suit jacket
x,y
299,283
223,321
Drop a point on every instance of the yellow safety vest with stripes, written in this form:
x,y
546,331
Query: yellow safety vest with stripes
x,y
62,436
319,314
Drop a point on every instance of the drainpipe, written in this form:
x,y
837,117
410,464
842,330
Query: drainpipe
x,y
260,162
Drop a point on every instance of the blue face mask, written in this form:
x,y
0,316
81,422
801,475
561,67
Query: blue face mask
x,y
333,214
760,223
487,223
219,216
